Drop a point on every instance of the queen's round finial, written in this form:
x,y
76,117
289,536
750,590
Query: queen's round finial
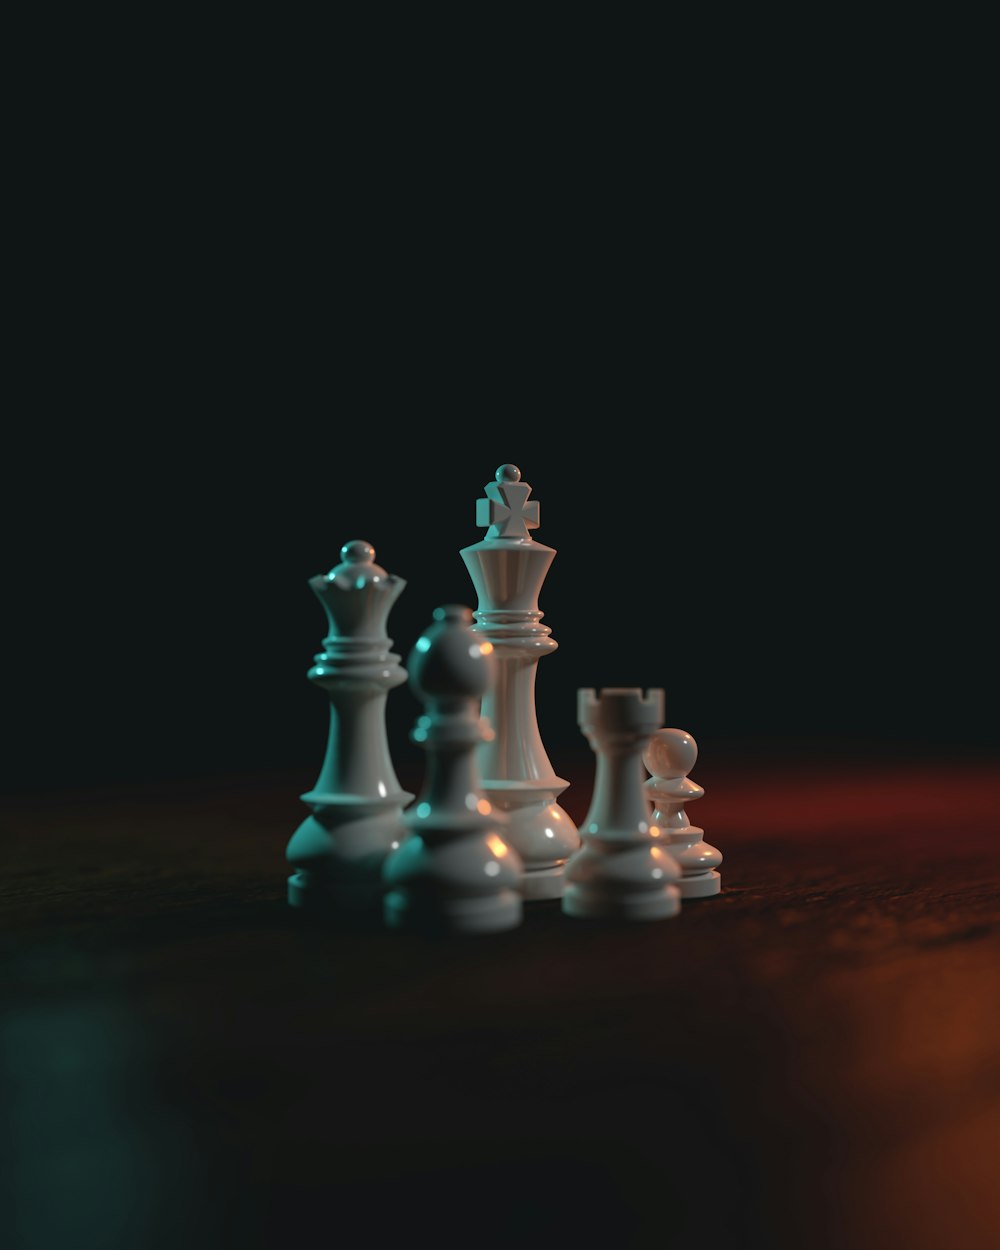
x,y
357,552
508,473
357,560
357,569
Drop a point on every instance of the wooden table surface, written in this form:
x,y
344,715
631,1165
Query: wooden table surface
x,y
810,1061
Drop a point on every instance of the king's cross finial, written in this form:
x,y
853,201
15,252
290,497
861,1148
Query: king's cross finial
x,y
506,509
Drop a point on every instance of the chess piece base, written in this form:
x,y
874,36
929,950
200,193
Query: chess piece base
x,y
594,905
702,886
299,894
490,914
337,852
539,830
542,883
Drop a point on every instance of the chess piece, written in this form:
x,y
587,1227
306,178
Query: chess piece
x,y
454,872
670,756
622,870
357,802
507,569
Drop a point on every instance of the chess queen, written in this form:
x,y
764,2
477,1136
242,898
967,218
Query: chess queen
x,y
357,803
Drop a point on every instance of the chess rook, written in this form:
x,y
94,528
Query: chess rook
x,y
357,802
670,756
622,870
454,872
507,569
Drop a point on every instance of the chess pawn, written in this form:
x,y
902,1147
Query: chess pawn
x,y
670,756
622,870
454,872
507,569
357,802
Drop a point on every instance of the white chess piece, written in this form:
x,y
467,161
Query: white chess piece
x,y
507,569
454,872
357,802
622,870
670,756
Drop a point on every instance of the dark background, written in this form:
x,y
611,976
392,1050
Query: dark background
x,y
726,303
724,319
782,543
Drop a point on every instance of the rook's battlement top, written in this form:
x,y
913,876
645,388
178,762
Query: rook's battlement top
x,y
618,708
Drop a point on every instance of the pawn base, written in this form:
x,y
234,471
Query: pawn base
x,y
705,885
403,909
542,883
649,905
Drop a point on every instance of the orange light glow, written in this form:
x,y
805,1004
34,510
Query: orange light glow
x,y
484,807
497,845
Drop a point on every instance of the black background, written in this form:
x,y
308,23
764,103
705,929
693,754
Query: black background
x,y
794,578
725,301
736,361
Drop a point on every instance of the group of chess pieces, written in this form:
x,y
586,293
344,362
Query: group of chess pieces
x,y
486,835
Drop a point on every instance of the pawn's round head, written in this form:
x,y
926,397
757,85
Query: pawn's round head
x,y
449,660
671,753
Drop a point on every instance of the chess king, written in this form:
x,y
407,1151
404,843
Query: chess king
x,y
507,569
